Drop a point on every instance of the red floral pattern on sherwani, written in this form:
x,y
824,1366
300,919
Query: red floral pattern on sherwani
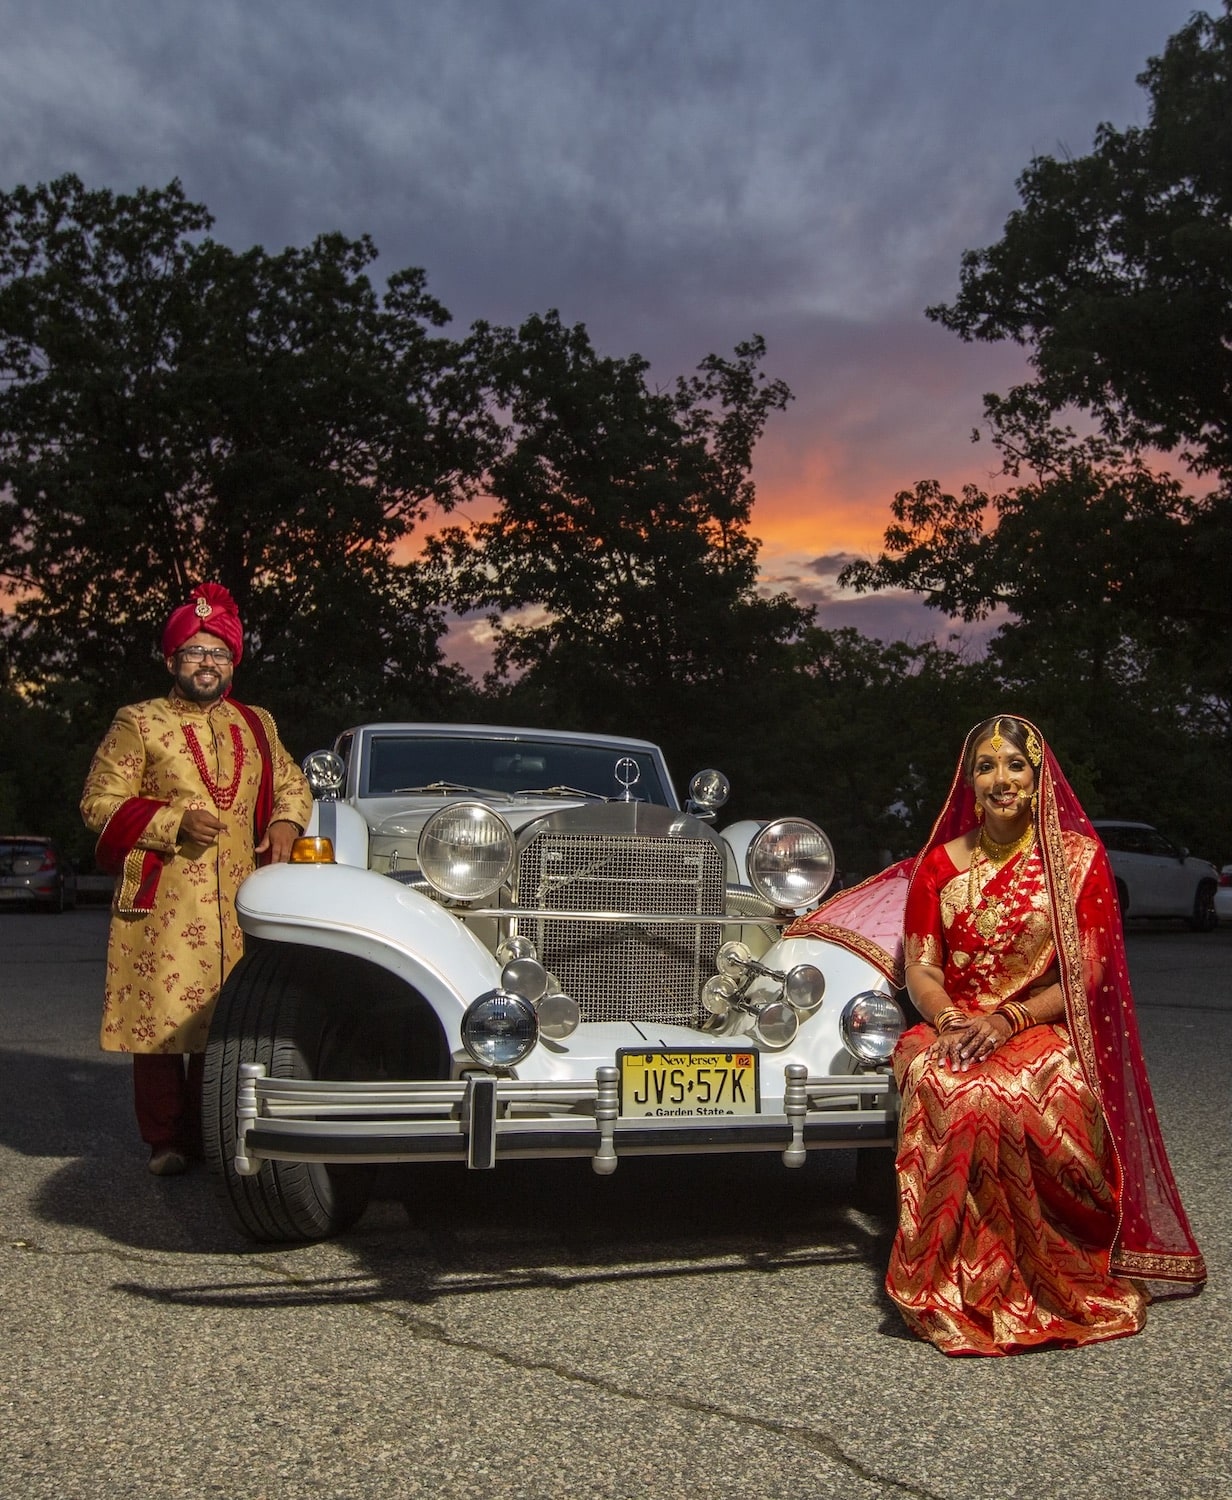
x,y
1008,1186
166,966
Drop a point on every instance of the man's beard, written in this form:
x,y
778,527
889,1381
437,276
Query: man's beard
x,y
189,690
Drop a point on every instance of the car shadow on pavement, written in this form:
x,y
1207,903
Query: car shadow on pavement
x,y
432,1232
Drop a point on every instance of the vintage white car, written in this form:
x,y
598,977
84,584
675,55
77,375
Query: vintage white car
x,y
495,943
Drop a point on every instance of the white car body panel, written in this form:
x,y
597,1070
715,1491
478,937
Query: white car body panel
x,y
1223,896
1158,878
370,916
628,899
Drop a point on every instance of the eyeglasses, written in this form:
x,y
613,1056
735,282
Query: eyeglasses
x,y
217,654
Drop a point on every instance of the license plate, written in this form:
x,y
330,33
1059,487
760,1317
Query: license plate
x,y
697,1081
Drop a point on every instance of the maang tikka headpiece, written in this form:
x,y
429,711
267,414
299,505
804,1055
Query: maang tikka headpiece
x,y
997,740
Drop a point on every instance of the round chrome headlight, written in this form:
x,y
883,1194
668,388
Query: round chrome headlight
x,y
499,1029
466,851
870,1025
791,863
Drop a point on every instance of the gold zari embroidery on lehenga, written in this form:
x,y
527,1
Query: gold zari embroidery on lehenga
x,y
1007,1183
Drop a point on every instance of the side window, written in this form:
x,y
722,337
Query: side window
x,y
1155,843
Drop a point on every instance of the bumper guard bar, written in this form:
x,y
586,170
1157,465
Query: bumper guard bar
x,y
482,1119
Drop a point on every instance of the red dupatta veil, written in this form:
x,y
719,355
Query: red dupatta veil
x,y
1154,1240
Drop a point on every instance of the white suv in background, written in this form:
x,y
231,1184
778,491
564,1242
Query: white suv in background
x,y
1157,878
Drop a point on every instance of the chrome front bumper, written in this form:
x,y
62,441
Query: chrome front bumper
x,y
482,1119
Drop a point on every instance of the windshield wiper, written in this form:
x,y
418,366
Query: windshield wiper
x,y
446,789
558,791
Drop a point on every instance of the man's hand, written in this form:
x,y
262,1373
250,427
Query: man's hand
x,y
278,839
199,826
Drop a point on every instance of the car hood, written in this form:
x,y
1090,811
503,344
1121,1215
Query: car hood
x,y
400,821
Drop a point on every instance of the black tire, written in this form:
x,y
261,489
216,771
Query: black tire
x,y
1205,918
273,1010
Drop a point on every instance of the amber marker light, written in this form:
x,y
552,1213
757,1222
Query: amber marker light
x,y
312,851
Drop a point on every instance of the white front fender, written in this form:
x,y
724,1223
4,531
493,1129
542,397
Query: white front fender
x,y
370,916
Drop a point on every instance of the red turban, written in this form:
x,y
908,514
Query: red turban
x,y
210,607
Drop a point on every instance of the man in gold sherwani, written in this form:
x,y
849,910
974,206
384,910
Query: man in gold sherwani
x,y
187,793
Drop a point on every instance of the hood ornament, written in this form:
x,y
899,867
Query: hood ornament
x,y
627,775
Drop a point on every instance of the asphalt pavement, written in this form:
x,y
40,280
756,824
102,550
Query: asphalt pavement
x,y
686,1328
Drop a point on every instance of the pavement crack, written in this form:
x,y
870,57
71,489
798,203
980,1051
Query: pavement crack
x,y
432,1332
806,1437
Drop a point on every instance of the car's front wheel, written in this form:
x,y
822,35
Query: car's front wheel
x,y
1205,918
273,1010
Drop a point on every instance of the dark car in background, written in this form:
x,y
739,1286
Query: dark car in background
x,y
34,873
1157,878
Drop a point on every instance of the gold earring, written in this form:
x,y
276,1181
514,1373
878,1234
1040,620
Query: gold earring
x,y
1034,803
979,812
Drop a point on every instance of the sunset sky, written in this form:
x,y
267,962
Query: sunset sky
x,y
676,174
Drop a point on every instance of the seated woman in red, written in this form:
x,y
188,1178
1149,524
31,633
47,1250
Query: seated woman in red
x,y
1033,1180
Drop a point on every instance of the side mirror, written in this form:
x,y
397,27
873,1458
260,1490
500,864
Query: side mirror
x,y
708,791
325,772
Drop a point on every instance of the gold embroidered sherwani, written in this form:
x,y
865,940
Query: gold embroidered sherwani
x,y
165,966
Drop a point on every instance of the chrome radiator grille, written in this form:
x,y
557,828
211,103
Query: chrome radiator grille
x,y
622,971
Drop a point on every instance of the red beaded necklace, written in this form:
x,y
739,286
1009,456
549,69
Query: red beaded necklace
x,y
223,796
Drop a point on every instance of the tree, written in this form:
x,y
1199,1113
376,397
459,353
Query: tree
x,y
1116,272
1116,275
617,569
172,410
861,736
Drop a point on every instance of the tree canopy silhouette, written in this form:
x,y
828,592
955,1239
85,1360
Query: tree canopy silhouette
x,y
172,410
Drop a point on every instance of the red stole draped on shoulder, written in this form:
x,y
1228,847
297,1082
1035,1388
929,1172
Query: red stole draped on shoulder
x,y
117,853
265,793
118,850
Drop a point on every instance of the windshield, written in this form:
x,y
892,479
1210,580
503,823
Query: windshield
x,y
22,856
403,762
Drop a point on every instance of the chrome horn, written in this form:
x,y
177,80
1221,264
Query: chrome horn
x,y
772,1016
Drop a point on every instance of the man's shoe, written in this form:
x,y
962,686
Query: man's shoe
x,y
168,1162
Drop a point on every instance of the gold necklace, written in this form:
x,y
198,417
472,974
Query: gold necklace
x,y
1001,854
987,912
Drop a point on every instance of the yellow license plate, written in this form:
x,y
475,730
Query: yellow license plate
x,y
690,1081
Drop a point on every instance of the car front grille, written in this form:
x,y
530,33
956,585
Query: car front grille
x,y
625,971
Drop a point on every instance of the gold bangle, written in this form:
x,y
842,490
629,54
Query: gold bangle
x,y
1017,1014
947,1016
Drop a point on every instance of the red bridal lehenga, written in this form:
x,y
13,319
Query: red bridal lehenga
x,y
1008,1188
1035,1193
